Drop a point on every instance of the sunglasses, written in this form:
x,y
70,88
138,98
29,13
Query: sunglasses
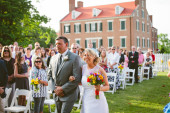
x,y
113,49
6,50
36,45
37,61
74,48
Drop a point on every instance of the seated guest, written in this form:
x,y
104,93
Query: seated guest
x,y
40,94
3,83
9,61
21,75
141,57
103,60
148,63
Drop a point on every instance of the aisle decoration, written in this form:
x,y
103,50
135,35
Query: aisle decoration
x,y
35,83
121,68
96,79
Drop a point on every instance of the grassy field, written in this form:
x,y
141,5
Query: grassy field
x,y
147,97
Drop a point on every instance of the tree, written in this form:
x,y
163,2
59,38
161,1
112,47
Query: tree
x,y
164,43
21,22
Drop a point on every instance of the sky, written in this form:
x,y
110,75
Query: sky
x,y
58,9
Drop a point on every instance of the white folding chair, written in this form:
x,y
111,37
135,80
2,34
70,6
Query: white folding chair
x,y
48,101
122,79
8,92
18,108
78,105
140,74
112,83
128,76
146,73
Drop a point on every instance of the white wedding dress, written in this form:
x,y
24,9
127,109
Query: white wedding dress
x,y
89,103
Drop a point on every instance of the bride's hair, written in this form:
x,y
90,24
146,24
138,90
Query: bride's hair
x,y
91,52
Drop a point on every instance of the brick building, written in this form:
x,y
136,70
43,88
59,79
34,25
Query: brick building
x,y
121,24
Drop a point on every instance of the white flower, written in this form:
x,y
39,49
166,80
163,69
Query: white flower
x,y
66,58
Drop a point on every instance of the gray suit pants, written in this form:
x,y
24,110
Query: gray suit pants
x,y
64,107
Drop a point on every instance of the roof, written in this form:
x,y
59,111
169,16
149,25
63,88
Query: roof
x,y
107,11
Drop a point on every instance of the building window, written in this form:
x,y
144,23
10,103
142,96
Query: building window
x,y
143,26
110,26
148,43
138,42
87,27
110,41
94,43
142,3
117,10
77,28
94,12
143,14
123,42
100,27
100,43
153,45
78,41
148,28
137,25
66,28
73,14
93,27
143,42
122,25
137,13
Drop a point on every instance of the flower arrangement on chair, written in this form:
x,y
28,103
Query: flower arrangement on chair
x,y
35,83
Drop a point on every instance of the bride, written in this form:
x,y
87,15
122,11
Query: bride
x,y
90,103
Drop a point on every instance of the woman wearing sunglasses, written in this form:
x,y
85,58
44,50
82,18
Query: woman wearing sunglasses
x,y
21,75
39,95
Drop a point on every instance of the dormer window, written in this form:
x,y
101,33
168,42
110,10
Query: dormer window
x,y
118,10
96,12
75,14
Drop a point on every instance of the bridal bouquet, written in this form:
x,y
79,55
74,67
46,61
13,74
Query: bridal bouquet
x,y
121,68
96,79
35,83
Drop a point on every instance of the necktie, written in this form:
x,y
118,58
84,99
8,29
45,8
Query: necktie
x,y
60,59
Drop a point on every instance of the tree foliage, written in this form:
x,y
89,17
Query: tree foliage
x,y
21,22
164,43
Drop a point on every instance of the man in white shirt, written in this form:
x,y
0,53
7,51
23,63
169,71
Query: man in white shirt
x,y
37,44
90,45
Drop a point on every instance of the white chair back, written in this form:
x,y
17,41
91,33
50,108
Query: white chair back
x,y
8,92
128,76
146,73
113,82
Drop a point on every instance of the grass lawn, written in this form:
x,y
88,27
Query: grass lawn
x,y
147,97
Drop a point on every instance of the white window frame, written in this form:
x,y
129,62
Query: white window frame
x,y
120,24
148,42
87,27
143,13
77,27
66,26
98,27
122,37
137,13
143,26
137,25
99,42
108,41
148,28
138,41
142,3
143,42
78,39
108,25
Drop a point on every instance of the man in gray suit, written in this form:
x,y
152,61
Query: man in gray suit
x,y
62,66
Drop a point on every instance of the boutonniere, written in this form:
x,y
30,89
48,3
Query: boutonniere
x,y
66,58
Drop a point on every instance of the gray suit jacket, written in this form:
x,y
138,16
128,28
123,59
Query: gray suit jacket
x,y
69,67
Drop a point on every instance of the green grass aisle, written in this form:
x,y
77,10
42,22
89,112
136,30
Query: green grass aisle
x,y
147,97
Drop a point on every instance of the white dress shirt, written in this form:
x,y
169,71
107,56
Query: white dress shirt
x,y
113,58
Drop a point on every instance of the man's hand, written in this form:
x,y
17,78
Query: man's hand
x,y
59,91
1,90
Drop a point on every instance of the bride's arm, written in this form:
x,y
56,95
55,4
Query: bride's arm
x,y
105,87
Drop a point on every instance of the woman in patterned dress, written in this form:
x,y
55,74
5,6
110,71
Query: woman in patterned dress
x,y
113,67
39,96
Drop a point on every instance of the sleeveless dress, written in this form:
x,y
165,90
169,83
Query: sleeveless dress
x,y
89,103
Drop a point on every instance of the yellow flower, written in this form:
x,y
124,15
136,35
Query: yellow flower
x,y
91,76
101,77
36,82
36,79
32,80
94,81
162,61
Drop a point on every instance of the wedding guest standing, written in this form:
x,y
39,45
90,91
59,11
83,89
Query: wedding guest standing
x,y
44,57
21,75
51,53
152,55
126,59
74,48
81,54
3,82
39,71
141,56
113,67
148,63
28,57
36,45
103,60
37,54
133,62
9,63
122,57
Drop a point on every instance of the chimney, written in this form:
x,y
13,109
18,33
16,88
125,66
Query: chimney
x,y
71,5
79,4
150,16
136,2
